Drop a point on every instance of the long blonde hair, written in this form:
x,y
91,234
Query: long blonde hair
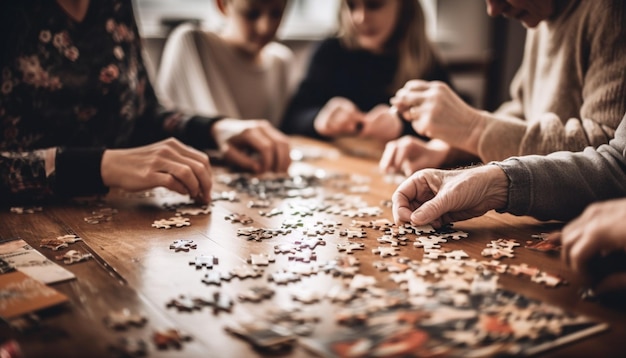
x,y
416,53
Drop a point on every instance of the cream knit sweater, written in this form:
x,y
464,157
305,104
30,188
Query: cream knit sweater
x,y
202,74
570,91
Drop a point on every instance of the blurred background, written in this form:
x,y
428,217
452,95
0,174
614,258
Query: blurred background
x,y
482,53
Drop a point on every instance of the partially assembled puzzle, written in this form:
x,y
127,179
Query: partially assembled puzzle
x,y
428,298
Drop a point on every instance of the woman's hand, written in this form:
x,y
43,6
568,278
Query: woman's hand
x,y
168,163
409,154
339,117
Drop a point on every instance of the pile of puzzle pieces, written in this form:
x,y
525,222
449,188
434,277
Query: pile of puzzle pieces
x,y
432,300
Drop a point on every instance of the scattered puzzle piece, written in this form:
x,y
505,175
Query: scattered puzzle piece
x,y
523,269
261,204
170,338
204,261
271,213
121,320
297,321
292,223
221,302
381,224
429,242
256,294
239,218
340,293
286,248
246,271
73,256
310,243
306,296
216,278
385,251
284,277
186,303
349,246
175,221
548,280
399,264
305,255
193,211
498,249
353,233
60,242
260,259
183,245
394,241
230,196
362,282
344,266
101,215
361,224
457,235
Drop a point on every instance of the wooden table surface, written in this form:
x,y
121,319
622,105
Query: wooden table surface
x,y
135,269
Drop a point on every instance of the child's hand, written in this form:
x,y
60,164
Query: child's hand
x,y
381,124
339,117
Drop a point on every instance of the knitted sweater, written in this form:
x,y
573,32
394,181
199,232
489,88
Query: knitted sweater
x,y
570,91
201,73
562,184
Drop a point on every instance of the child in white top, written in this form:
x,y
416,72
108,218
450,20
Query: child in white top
x,y
239,72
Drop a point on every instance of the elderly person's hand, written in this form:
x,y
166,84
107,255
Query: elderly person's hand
x,y
435,111
168,163
409,154
590,239
437,197
253,145
339,117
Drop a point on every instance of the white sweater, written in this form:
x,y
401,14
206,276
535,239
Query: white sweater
x,y
202,74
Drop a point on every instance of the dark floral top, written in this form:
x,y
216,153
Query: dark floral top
x,y
76,87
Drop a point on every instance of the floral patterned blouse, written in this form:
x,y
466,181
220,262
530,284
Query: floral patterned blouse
x,y
71,89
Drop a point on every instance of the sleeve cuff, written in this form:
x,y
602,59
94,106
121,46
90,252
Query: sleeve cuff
x,y
197,132
520,183
77,172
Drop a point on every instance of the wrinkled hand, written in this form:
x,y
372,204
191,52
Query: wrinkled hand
x,y
435,111
437,197
339,117
253,145
168,163
409,154
380,124
587,241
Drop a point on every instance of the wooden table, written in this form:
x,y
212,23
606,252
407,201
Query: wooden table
x,y
135,269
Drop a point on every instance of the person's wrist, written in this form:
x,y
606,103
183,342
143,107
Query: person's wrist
x,y
105,170
477,124
498,186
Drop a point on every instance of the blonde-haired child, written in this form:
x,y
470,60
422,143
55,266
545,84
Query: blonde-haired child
x,y
381,45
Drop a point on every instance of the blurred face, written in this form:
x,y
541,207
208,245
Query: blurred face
x,y
252,24
374,21
529,12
